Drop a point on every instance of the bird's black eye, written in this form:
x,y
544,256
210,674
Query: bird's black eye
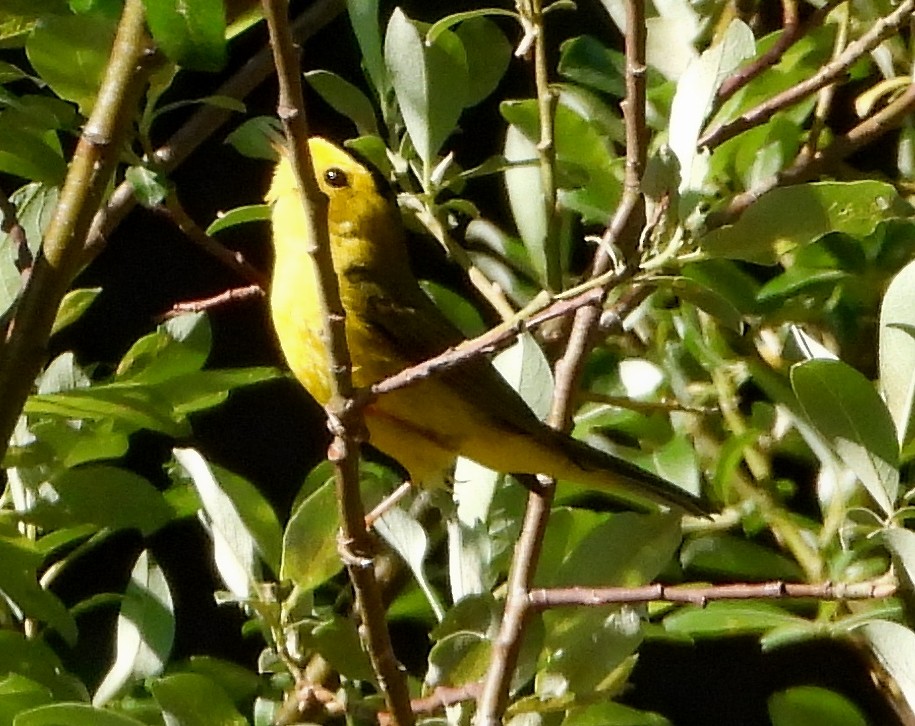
x,y
336,177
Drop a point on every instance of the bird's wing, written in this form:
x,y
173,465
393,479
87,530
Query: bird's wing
x,y
415,327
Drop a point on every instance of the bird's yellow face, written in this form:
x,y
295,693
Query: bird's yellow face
x,y
354,203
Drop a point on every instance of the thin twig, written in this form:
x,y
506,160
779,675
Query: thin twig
x,y
830,73
827,94
88,176
545,598
807,167
235,261
345,418
233,294
792,32
626,222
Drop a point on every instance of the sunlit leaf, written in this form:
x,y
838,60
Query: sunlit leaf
x,y
846,408
786,217
145,630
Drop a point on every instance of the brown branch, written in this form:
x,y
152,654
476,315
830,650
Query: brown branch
x,y
233,294
235,261
546,598
792,32
807,167
625,225
203,124
345,418
88,176
830,73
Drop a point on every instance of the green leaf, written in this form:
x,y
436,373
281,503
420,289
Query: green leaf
x,y
787,217
180,345
35,660
194,700
708,299
694,99
449,21
19,694
101,495
458,659
34,205
192,33
644,544
19,584
897,352
488,55
527,370
901,544
589,172
310,554
145,630
149,187
798,279
847,410
812,705
338,641
407,537
719,619
70,53
585,646
72,307
608,713
73,714
239,682
525,195
894,646
456,308
235,548
135,407
345,99
204,389
737,559
29,153
363,16
258,138
589,62
430,82
239,215
257,514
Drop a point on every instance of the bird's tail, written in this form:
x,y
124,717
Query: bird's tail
x,y
625,481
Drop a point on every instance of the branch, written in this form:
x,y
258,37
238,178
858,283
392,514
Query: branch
x,y
356,546
830,73
203,124
627,221
807,166
546,598
233,294
792,32
235,261
88,176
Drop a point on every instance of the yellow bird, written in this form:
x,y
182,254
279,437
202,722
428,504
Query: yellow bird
x,y
468,410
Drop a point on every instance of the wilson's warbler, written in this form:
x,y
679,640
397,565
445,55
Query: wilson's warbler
x,y
391,324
